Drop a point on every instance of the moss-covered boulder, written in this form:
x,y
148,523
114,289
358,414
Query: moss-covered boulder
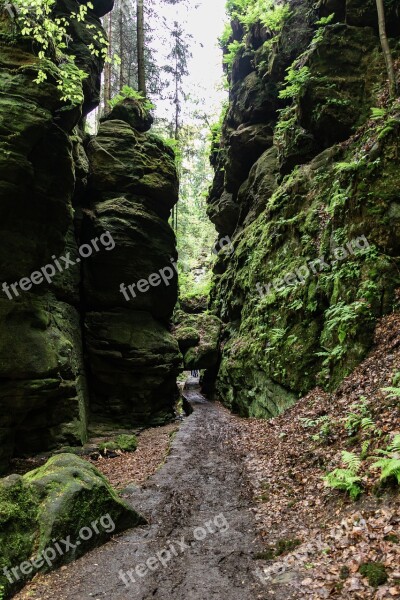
x,y
53,515
133,112
203,331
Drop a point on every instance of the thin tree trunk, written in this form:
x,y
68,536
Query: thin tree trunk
x,y
121,45
386,48
140,48
107,66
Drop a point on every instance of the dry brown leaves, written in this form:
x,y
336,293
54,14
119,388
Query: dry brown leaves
x,y
136,467
286,465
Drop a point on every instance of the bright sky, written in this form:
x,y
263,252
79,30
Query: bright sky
x,y
205,21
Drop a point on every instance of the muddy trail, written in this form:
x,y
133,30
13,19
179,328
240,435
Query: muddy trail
x,y
198,506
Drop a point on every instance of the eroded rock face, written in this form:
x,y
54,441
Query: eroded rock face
x,y
66,499
199,336
43,392
319,192
58,191
134,362
133,358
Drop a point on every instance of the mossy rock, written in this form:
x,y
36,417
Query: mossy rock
x,y
187,337
375,572
66,499
124,442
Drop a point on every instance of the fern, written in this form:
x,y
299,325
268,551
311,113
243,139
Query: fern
x,y
390,467
352,461
390,464
367,423
378,113
395,445
393,392
365,448
346,480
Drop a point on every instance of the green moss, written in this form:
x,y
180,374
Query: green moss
x,y
51,503
283,546
375,572
127,443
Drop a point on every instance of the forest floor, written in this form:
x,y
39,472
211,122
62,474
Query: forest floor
x,y
277,530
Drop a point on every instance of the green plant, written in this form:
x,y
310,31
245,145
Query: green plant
x,y
128,92
308,423
359,417
390,464
35,20
233,51
347,479
322,24
375,573
225,36
378,113
295,82
340,326
393,392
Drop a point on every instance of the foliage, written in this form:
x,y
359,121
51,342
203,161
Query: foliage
x,y
295,81
393,392
322,24
390,463
359,419
35,20
225,36
249,12
341,322
347,479
128,92
375,573
215,135
266,12
234,49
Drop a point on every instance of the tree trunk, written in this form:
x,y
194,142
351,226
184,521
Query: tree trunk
x,y
107,66
121,45
386,48
140,48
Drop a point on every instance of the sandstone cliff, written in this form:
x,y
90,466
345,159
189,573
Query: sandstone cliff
x,y
72,344
303,174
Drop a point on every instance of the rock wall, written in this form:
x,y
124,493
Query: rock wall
x,y
309,177
59,190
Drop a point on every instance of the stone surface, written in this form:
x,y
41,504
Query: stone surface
x,y
60,189
131,111
202,350
59,501
329,178
134,362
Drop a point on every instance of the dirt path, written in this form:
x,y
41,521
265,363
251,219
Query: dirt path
x,y
199,510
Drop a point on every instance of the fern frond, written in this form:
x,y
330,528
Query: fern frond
x,y
395,445
390,467
367,423
352,461
393,392
346,480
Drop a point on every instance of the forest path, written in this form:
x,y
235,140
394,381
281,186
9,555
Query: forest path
x,y
200,503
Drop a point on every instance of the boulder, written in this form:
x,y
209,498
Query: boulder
x,y
131,111
203,354
66,500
